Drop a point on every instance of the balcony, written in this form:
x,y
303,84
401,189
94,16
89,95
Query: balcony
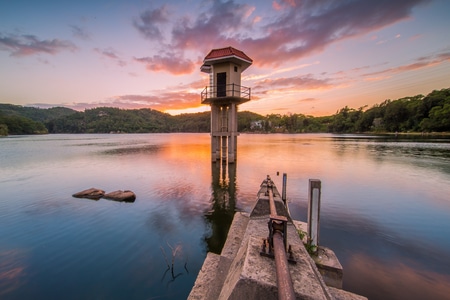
x,y
225,94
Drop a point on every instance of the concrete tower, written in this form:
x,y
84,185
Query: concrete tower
x,y
224,94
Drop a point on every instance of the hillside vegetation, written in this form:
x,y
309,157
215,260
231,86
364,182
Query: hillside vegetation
x,y
418,113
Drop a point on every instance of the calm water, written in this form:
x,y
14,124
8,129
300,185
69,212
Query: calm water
x,y
385,211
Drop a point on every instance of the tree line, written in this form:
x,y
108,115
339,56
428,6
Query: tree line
x,y
430,113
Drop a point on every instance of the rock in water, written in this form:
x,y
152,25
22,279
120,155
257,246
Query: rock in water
x,y
125,196
91,193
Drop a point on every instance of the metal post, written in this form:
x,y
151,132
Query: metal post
x,y
283,192
315,187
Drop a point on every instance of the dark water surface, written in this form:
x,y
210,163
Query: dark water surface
x,y
385,211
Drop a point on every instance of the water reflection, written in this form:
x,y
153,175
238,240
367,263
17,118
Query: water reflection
x,y
223,201
385,208
12,271
394,280
146,149
380,263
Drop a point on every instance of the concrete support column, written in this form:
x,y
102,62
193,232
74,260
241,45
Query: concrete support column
x,y
224,148
235,129
215,140
231,148
224,119
232,131
224,130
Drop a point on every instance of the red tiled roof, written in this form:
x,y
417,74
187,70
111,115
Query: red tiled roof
x,y
227,52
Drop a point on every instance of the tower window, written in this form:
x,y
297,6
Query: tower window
x,y
235,68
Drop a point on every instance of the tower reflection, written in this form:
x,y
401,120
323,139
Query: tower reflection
x,y
223,204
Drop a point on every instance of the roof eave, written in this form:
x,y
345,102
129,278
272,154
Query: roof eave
x,y
236,59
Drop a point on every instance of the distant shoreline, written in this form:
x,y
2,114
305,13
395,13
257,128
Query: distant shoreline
x,y
390,134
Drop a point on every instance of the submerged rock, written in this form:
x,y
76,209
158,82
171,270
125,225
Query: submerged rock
x,y
91,193
125,196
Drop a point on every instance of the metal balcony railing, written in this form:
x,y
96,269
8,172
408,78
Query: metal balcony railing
x,y
226,90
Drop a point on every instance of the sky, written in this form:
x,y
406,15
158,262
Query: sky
x,y
310,57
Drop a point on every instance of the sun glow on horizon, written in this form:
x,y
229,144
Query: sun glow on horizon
x,y
191,110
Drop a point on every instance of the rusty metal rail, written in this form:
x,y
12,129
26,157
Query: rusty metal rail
x,y
277,241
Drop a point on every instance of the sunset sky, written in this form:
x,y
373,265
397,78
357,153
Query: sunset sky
x,y
309,56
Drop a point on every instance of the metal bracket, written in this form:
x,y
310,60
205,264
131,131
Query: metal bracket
x,y
267,251
277,224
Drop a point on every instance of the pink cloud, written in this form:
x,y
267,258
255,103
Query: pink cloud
x,y
415,37
150,22
298,82
163,101
174,98
27,45
308,100
305,27
309,26
276,5
421,62
220,24
171,63
283,4
111,54
80,32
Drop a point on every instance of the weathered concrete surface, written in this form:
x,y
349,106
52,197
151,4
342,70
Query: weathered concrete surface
x,y
329,267
210,279
215,268
240,272
338,294
326,261
252,276
235,236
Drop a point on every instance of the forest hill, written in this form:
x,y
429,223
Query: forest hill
x,y
417,114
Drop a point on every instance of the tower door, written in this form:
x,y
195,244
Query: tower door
x,y
222,84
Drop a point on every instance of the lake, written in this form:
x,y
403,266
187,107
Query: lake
x,y
385,210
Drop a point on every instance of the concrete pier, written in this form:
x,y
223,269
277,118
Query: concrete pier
x,y
241,272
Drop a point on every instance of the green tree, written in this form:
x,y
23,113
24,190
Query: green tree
x,y
345,120
3,129
439,119
21,125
